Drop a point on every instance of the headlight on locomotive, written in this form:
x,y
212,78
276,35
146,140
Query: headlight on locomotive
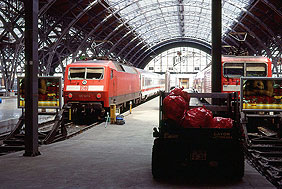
x,y
70,95
98,95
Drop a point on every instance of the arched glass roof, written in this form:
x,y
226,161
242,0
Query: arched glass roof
x,y
134,31
159,20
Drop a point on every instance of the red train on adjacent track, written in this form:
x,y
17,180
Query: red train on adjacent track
x,y
233,67
91,86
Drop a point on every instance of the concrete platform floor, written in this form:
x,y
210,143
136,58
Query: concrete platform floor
x,y
118,156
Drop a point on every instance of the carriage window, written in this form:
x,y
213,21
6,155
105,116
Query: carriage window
x,y
256,70
233,70
76,73
95,73
148,81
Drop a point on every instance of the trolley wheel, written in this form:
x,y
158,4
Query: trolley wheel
x,y
239,166
157,164
160,163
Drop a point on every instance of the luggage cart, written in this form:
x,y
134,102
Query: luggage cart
x,y
200,151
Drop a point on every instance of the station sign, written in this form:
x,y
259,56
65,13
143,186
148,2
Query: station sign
x,y
49,92
261,94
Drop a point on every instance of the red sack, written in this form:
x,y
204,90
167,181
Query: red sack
x,y
180,92
174,107
186,96
197,118
220,122
176,92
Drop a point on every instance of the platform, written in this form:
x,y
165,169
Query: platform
x,y
116,156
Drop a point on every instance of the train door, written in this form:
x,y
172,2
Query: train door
x,y
142,85
138,100
114,80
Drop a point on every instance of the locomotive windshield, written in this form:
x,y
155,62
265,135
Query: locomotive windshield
x,y
233,70
244,69
256,70
76,73
86,73
94,73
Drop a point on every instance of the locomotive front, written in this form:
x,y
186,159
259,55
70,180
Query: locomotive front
x,y
246,66
86,90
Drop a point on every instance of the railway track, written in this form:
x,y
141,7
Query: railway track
x,y
73,129
265,154
16,143
49,131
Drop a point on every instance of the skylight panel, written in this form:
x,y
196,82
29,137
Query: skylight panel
x,y
163,14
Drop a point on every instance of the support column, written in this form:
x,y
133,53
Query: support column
x,y
216,45
31,77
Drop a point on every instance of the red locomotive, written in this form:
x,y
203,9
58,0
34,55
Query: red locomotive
x,y
91,86
233,67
